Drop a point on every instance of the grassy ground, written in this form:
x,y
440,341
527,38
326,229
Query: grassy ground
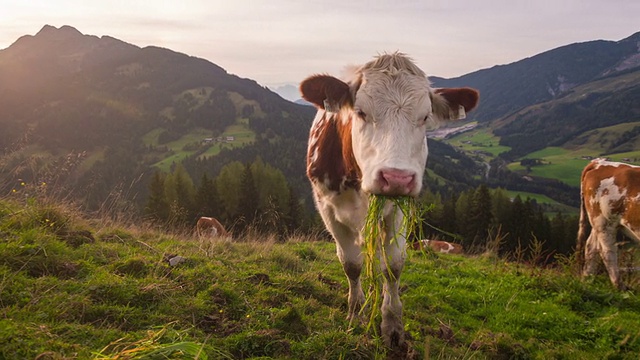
x,y
479,139
77,288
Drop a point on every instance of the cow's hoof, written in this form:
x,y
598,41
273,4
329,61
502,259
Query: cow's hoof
x,y
393,339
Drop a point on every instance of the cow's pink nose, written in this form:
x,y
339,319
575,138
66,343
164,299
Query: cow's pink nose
x,y
395,182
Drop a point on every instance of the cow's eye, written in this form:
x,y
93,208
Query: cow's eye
x,y
361,113
427,118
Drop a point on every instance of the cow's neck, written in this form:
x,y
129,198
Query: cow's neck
x,y
330,159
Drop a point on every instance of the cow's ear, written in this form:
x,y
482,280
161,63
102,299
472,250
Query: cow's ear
x,y
326,92
453,104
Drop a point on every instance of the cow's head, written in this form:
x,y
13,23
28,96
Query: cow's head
x,y
388,106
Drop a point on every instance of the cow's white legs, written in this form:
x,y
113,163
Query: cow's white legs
x,y
609,254
350,254
391,263
591,252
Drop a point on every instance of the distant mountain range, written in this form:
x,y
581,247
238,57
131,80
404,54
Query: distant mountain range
x,y
287,91
125,111
543,77
97,112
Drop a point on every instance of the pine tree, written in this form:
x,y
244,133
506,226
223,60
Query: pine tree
x,y
513,225
464,206
558,234
228,186
449,216
248,204
207,201
157,207
180,193
295,216
481,215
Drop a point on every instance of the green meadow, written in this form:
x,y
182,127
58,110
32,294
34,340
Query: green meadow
x,y
240,133
90,288
561,163
478,139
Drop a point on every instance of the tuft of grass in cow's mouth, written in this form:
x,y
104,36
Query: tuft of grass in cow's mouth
x,y
374,237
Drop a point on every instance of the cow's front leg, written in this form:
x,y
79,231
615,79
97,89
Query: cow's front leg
x,y
349,252
591,251
350,255
391,263
609,254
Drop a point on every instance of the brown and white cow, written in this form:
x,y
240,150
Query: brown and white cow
x,y
368,137
440,246
610,201
210,227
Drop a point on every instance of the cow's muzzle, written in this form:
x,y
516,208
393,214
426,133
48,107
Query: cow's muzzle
x,y
395,182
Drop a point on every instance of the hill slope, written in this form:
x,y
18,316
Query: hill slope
x,y
74,287
100,100
507,88
605,102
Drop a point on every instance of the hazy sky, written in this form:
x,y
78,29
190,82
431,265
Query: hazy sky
x,y
283,41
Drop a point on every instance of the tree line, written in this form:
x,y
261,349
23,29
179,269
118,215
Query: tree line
x,y
256,196
483,218
243,196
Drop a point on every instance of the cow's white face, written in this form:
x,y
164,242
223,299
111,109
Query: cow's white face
x,y
374,125
389,122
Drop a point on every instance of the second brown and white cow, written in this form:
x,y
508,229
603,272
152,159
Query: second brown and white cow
x,y
610,201
210,227
438,246
368,137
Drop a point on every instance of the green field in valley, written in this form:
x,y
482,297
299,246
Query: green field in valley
x,y
236,135
478,139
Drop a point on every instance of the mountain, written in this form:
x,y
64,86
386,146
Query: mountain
x,y
98,115
121,112
287,91
543,77
607,101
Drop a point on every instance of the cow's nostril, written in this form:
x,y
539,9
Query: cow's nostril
x,y
396,181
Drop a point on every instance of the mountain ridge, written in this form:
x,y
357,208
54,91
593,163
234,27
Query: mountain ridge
x,y
62,91
541,77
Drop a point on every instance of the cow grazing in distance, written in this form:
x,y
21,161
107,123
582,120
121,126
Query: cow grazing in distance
x,y
610,201
438,246
210,227
368,137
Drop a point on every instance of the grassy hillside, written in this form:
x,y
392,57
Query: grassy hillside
x,y
564,163
480,140
72,287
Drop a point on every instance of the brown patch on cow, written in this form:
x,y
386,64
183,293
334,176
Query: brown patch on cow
x,y
334,154
633,212
625,177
